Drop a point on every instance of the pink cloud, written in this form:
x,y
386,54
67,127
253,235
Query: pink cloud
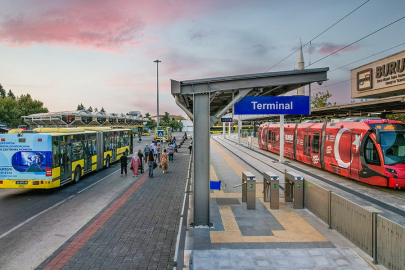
x,y
94,24
328,48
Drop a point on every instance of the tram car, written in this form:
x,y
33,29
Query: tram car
x,y
366,150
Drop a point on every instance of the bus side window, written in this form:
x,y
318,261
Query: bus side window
x,y
371,154
55,153
94,145
315,143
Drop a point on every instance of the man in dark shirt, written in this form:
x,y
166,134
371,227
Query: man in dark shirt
x,y
124,161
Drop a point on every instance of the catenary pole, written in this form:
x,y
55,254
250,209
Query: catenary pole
x,y
157,86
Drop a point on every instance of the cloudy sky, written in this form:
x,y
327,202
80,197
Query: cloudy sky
x,y
101,52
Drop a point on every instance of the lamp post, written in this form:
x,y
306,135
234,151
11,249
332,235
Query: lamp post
x,y
157,83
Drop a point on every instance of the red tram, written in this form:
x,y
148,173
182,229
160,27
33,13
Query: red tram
x,y
370,151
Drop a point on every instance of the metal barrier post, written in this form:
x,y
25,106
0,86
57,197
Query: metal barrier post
x,y
271,189
246,176
294,184
374,240
251,194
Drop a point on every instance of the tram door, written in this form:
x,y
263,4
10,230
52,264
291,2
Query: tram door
x,y
65,164
87,155
307,148
355,155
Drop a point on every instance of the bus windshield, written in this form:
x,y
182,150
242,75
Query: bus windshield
x,y
393,146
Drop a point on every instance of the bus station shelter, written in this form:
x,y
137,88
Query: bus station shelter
x,y
205,101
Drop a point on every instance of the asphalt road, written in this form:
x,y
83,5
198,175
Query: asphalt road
x,y
34,223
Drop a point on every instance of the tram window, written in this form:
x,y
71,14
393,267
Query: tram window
x,y
270,135
305,142
371,154
315,143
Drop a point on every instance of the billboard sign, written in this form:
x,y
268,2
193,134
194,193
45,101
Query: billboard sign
x,y
381,78
273,105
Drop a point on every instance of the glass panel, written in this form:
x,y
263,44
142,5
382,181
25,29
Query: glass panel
x,y
393,146
371,153
315,143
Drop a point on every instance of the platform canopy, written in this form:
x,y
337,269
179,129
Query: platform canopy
x,y
223,90
205,101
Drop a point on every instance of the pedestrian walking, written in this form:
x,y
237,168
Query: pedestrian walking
x,y
140,155
135,164
146,151
151,161
158,151
170,150
153,148
174,139
185,135
139,137
164,161
124,162
191,145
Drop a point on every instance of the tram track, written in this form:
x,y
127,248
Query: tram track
x,y
358,194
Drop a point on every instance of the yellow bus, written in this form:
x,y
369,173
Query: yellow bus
x,y
220,129
51,157
163,132
247,128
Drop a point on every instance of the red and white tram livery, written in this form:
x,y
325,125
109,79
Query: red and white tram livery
x,y
370,151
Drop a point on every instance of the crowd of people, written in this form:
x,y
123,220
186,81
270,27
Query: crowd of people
x,y
154,155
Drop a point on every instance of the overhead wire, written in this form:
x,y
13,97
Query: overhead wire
x,y
319,34
356,41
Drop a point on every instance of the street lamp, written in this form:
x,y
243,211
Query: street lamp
x,y
157,83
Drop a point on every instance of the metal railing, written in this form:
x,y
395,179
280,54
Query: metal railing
x,y
178,262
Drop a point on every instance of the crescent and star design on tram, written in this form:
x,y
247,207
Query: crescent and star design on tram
x,y
369,150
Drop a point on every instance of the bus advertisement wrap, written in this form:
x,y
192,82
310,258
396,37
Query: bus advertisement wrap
x,y
19,160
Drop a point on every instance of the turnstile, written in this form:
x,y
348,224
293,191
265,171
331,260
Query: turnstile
x,y
249,190
246,176
271,191
294,189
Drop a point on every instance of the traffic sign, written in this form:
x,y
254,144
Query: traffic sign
x,y
160,134
226,120
273,105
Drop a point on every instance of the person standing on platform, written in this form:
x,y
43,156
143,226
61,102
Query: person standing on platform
x,y
140,155
146,151
150,160
164,160
191,145
135,164
124,162
159,152
170,150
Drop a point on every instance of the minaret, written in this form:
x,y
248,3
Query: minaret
x,y
301,64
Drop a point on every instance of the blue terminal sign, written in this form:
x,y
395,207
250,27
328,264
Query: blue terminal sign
x,y
273,105
226,120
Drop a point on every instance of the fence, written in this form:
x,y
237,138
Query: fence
x,y
379,237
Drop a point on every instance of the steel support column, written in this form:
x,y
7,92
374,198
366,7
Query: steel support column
x,y
201,152
223,130
281,138
239,128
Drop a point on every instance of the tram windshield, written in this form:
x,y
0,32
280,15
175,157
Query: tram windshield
x,y
393,146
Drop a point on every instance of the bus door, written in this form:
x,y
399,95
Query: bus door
x,y
114,145
87,156
307,147
355,156
65,164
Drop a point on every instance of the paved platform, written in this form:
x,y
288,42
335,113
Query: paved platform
x,y
263,238
137,231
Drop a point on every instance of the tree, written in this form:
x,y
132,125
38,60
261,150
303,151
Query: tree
x,y
28,106
2,92
102,110
321,100
398,117
151,124
80,107
176,125
147,115
95,110
90,109
166,118
11,94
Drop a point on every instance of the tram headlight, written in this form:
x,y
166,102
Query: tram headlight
x,y
391,170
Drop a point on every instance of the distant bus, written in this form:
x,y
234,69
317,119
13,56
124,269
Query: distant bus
x,y
220,129
163,132
47,158
247,128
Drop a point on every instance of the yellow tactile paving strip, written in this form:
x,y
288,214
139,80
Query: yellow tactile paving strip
x,y
296,228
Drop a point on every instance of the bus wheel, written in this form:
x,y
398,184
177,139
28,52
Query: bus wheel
x,y
76,178
107,162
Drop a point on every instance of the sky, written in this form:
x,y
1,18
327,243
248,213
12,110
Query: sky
x,y
100,52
